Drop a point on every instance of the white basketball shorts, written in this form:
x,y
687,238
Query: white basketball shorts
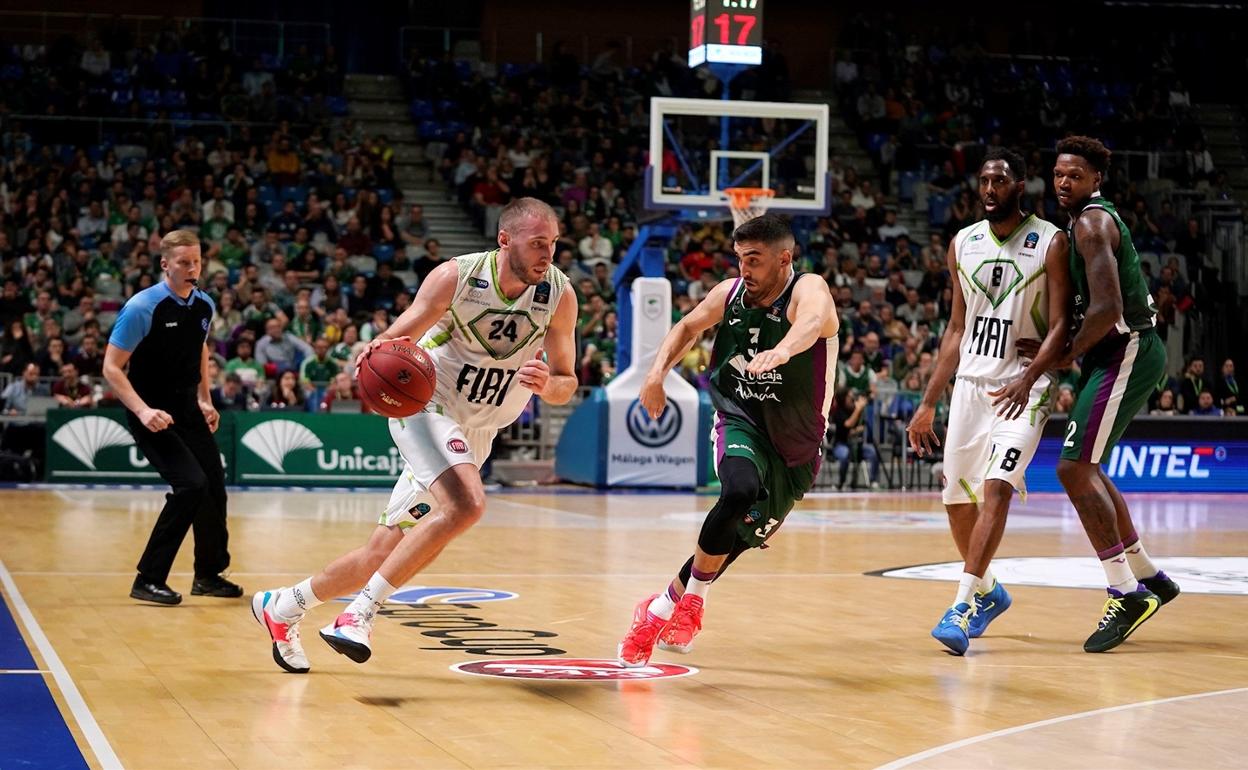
x,y
430,443
979,445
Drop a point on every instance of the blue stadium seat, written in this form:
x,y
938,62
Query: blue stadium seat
x,y
463,69
383,252
905,184
385,195
299,193
420,110
174,99
938,209
119,78
338,106
428,129
12,72
149,98
121,97
270,62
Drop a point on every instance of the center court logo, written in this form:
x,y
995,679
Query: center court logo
x,y
85,437
572,670
653,433
445,614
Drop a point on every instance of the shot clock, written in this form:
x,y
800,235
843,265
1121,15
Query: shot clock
x,y
725,32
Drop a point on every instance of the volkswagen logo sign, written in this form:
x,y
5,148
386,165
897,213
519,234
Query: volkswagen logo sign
x,y
653,433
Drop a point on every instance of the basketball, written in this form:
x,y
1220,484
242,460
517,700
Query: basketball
x,y
397,379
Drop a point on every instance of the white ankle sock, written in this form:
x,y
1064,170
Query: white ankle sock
x,y
1141,565
372,596
966,589
662,606
697,587
1118,571
986,582
294,602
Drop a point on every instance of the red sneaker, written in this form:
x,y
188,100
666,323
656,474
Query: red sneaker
x,y
638,643
685,624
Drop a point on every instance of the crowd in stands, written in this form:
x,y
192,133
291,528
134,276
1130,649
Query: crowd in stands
x,y
308,250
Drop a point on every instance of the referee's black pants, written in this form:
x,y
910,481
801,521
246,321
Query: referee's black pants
x,y
186,455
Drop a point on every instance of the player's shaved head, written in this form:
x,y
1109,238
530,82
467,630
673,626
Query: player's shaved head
x,y
769,229
522,208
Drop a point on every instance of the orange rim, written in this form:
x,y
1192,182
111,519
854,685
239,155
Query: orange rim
x,y
743,197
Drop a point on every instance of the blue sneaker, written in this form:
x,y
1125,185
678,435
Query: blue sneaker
x,y
987,607
951,630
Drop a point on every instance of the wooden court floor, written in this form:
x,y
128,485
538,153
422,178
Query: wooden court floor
x,y
806,660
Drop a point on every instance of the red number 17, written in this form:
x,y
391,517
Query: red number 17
x,y
746,22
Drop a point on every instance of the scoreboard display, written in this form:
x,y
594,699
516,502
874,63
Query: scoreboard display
x,y
725,32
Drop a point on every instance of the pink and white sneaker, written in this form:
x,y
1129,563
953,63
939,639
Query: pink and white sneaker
x,y
350,635
287,648
685,624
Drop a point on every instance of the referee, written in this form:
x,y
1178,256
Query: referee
x,y
161,333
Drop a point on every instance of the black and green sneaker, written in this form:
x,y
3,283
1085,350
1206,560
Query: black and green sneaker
x,y
1161,584
1123,614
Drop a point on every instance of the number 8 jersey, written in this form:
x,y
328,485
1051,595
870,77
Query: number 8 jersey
x,y
484,339
1006,297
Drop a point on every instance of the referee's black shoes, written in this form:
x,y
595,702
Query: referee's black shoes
x,y
154,592
216,586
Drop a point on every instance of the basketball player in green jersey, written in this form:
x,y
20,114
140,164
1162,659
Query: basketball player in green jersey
x,y
1123,358
772,371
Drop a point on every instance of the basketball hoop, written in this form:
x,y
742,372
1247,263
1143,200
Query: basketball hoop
x,y
747,203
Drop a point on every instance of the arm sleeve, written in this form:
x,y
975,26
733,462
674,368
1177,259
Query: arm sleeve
x,y
133,323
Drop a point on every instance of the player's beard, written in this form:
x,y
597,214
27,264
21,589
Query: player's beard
x,y
516,266
1006,207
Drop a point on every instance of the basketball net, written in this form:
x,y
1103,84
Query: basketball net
x,y
747,203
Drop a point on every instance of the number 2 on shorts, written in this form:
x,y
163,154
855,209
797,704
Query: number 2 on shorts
x,y
1071,427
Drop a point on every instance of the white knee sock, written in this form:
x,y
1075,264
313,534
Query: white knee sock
x,y
662,606
294,602
372,596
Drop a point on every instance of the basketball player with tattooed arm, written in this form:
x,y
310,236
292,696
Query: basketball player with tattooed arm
x,y
772,370
499,326
1010,286
1123,358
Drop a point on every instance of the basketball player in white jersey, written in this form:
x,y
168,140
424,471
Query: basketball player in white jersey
x,y
485,320
1011,287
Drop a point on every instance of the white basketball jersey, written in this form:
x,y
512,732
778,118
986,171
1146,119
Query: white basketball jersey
x,y
1006,299
480,344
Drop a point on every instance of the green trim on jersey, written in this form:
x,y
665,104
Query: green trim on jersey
x,y
1037,317
997,300
438,340
1013,233
493,257
968,281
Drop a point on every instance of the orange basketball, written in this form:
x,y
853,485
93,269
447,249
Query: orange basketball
x,y
397,379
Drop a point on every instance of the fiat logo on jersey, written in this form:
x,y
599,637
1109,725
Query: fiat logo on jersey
x,y
571,670
653,433
458,446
